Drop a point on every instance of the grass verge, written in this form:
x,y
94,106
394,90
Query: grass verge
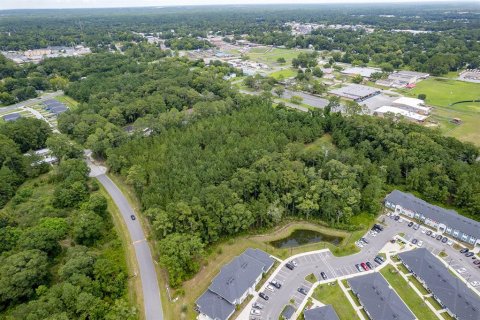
x,y
333,294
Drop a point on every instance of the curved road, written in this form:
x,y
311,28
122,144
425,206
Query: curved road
x,y
150,288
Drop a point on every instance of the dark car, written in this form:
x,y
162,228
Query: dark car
x,y
397,218
429,232
276,284
132,217
324,276
263,296
410,224
445,239
377,260
364,240
464,250
414,241
290,266
476,262
439,237
381,259
302,291
469,254
369,264
358,267
377,226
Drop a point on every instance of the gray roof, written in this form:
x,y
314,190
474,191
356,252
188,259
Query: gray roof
x,y
448,217
453,293
321,313
59,109
11,116
288,312
261,256
355,91
214,306
381,302
237,277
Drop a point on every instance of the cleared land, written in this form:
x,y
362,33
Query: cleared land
x,y
333,295
270,55
283,74
408,295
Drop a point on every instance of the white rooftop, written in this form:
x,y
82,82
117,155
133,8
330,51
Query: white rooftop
x,y
364,72
402,112
412,102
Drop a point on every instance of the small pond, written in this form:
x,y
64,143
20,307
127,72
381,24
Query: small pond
x,y
300,237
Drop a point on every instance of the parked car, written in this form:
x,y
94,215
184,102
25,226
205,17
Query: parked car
x,y
364,240
476,262
295,263
416,226
270,288
414,241
132,217
423,229
429,233
396,218
469,254
464,250
410,224
302,291
364,266
370,266
381,258
420,243
359,244
450,242
475,283
400,220
434,235
255,312
439,237
276,284
263,296
358,267
324,276
289,266
378,227
445,239
257,305
378,260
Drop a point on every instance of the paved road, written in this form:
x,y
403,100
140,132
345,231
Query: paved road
x,y
31,102
309,99
150,288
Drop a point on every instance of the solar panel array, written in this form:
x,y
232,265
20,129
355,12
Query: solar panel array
x,y
55,106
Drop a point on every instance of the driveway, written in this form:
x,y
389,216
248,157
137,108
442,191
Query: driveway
x,y
151,292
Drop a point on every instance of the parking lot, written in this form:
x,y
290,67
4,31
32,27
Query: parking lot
x,y
338,267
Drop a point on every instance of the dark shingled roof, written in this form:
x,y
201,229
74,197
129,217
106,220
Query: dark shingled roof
x,y
453,293
381,302
288,312
321,313
215,306
449,218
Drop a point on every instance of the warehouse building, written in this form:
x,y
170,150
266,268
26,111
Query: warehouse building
x,y
356,92
412,104
364,72
379,301
321,313
233,284
402,79
447,222
409,115
449,291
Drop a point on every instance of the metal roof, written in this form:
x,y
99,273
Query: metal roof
x,y
451,291
402,112
381,302
355,91
364,72
449,218
321,313
12,117
215,306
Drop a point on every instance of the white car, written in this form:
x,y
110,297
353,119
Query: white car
x,y
420,243
434,235
475,283
461,270
359,244
450,242
270,288
295,263
255,312
400,220
424,230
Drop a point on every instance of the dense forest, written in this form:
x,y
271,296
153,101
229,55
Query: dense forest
x,y
60,257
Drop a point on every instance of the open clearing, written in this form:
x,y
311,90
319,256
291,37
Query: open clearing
x,y
270,55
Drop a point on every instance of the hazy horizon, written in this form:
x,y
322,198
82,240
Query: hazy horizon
x,y
76,4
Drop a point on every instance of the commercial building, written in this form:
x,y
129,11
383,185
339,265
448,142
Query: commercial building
x,y
233,284
364,72
449,291
379,301
321,313
11,117
412,104
401,79
447,222
356,92
412,116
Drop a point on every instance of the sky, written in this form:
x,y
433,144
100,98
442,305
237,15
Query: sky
x,y
46,4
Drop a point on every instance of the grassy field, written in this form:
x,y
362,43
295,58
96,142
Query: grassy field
x,y
69,102
283,74
334,295
408,295
269,56
441,93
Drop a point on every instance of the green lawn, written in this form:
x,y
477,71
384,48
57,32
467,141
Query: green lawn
x,y
270,55
311,278
284,74
408,295
71,103
333,295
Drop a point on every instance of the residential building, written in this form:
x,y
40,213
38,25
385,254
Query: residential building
x,y
379,301
449,291
321,313
447,222
233,284
12,117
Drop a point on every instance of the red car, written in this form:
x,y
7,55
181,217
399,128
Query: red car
x,y
364,266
